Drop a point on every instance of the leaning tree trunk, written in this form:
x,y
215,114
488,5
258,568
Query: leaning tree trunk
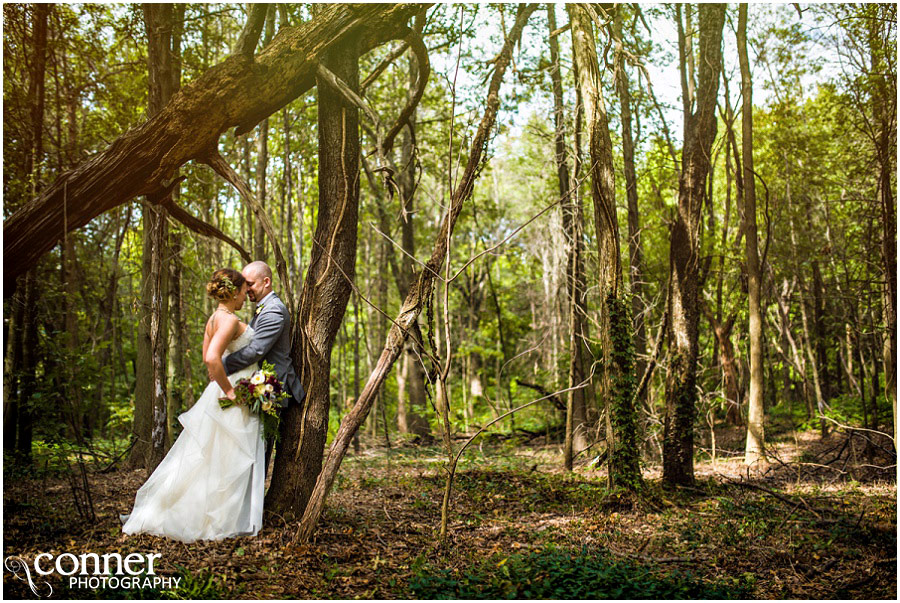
x,y
326,289
699,134
756,436
615,324
420,292
150,427
238,92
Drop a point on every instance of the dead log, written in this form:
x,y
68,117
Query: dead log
x,y
238,92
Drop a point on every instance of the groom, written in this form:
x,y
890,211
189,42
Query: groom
x,y
271,336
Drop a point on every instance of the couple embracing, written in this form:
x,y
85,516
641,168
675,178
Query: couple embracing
x,y
211,483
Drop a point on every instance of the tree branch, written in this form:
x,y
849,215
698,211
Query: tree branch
x,y
221,167
236,93
246,44
202,228
352,97
421,53
384,64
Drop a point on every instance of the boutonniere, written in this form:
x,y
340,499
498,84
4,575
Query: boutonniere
x,y
259,308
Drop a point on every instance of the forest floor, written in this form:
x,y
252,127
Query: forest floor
x,y
818,522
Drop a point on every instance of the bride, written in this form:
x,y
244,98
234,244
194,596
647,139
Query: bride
x,y
210,485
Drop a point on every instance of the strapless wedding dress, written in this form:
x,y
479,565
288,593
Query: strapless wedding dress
x,y
211,483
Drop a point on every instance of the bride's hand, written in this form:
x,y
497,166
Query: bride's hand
x,y
230,394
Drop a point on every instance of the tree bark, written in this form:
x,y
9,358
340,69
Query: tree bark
x,y
755,449
326,290
238,92
699,133
150,427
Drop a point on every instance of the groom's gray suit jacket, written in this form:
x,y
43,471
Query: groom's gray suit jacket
x,y
271,342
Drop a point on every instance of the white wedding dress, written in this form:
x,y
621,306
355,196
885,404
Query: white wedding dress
x,y
211,483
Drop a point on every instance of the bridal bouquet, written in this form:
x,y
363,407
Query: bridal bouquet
x,y
260,394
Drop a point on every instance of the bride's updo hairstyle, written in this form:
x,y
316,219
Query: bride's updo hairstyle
x,y
224,284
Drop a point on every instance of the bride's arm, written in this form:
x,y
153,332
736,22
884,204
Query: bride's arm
x,y
225,330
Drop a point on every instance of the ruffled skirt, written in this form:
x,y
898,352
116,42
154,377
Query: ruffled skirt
x,y
211,484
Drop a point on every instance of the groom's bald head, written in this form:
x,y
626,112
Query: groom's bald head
x,y
259,280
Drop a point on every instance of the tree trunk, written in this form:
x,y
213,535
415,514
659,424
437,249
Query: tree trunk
x,y
326,289
238,92
28,380
733,414
74,402
24,340
821,337
245,213
12,370
262,156
412,403
576,415
262,162
722,332
182,396
35,143
882,44
699,133
755,449
635,250
615,326
150,396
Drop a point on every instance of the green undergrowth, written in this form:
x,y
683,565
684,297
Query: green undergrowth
x,y
557,573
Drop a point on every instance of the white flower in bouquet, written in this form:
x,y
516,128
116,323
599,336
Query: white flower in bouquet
x,y
269,388
257,378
